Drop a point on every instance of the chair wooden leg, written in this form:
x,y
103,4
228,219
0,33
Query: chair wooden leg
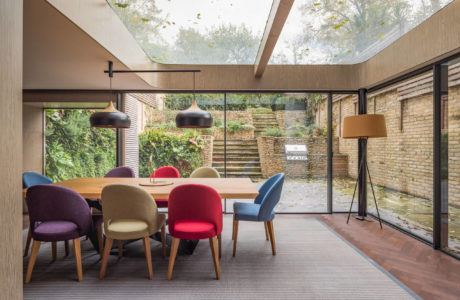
x,y
266,231
172,256
105,256
77,252
148,256
219,239
100,239
29,239
163,240
120,248
32,258
53,250
233,229
66,247
235,235
213,244
272,236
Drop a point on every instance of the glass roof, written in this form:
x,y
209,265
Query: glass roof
x,y
230,31
347,31
198,31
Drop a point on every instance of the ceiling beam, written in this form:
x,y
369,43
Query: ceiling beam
x,y
275,23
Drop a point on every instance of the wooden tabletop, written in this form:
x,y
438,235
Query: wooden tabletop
x,y
230,188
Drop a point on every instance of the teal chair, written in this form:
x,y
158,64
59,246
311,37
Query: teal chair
x,y
262,210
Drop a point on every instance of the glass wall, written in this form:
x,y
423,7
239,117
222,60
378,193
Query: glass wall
x,y
74,148
259,136
401,165
345,154
184,149
450,156
280,132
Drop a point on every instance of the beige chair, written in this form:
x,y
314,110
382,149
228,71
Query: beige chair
x,y
205,172
130,213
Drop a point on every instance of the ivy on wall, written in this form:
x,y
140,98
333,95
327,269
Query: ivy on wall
x,y
74,148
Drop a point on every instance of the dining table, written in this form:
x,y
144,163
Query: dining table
x,y
227,188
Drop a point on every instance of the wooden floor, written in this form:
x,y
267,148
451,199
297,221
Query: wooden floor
x,y
429,273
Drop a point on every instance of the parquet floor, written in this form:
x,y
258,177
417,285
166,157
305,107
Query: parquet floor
x,y
428,272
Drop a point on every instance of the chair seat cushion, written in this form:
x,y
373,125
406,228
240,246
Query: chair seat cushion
x,y
126,229
249,212
161,203
54,231
193,230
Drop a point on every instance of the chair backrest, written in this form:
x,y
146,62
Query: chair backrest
x,y
48,202
269,195
121,172
205,172
167,172
31,178
195,202
124,201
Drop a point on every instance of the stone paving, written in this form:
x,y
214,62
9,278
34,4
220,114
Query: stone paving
x,y
411,213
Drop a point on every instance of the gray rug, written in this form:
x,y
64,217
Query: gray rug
x,y
312,262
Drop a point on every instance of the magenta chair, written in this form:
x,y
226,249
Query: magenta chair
x,y
57,214
195,213
165,172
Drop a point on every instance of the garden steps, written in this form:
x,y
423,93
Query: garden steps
x,y
263,121
242,158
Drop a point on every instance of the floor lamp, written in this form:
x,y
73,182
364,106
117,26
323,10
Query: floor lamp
x,y
363,127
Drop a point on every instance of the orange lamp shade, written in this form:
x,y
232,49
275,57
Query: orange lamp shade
x,y
360,126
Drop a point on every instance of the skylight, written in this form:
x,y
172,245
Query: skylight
x,y
198,31
347,31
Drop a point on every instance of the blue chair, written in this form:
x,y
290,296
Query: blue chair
x,y
261,210
30,179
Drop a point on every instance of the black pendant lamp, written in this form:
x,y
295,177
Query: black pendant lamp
x,y
110,117
194,117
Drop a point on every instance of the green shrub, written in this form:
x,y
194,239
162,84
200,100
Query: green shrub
x,y
297,130
234,126
181,151
273,131
74,148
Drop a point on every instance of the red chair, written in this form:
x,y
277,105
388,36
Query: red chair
x,y
165,172
195,213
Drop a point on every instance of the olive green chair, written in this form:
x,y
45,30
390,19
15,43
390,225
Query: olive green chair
x,y
130,213
205,172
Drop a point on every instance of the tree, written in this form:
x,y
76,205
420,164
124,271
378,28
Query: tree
x,y
346,28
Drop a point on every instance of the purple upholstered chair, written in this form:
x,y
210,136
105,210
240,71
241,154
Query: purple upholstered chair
x,y
56,214
121,172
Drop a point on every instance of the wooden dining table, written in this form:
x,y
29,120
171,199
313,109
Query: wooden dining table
x,y
230,188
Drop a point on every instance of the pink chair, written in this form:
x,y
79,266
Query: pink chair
x,y
165,172
195,213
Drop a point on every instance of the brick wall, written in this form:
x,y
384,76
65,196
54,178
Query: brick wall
x,y
273,158
404,160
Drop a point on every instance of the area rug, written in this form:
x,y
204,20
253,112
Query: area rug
x,y
312,262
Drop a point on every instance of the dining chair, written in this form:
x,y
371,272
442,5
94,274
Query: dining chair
x,y
57,214
165,172
195,213
130,213
262,210
205,172
30,179
123,172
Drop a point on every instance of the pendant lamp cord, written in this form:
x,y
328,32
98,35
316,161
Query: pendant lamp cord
x,y
194,97
110,95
